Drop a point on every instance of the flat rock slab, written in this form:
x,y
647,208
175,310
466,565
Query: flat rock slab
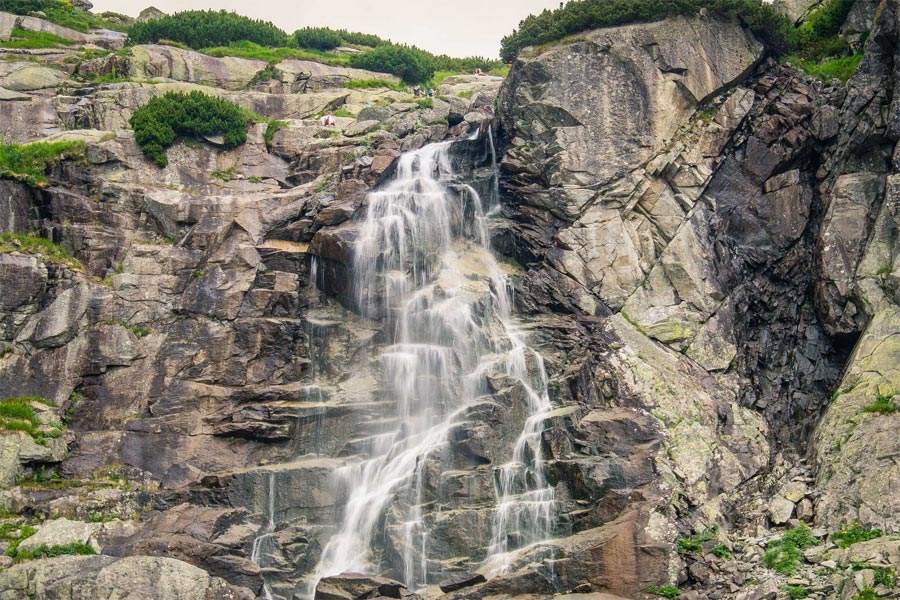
x,y
7,95
464,581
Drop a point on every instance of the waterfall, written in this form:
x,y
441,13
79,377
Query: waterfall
x,y
265,536
446,305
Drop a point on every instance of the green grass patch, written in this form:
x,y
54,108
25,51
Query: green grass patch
x,y
424,103
853,533
664,591
33,244
867,594
272,128
721,551
29,163
254,51
18,414
782,555
13,534
165,119
45,551
886,576
796,592
694,544
62,13
882,405
833,68
25,39
363,84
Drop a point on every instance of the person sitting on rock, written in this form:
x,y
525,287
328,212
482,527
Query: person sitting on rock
x,y
328,121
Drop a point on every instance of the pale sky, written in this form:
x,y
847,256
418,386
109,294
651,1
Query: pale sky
x,y
455,27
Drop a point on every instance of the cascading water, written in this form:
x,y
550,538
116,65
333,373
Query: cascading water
x,y
259,551
413,268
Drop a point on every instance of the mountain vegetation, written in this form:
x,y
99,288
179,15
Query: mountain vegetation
x,y
160,122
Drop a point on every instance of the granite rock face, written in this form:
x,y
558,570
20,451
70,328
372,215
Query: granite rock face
x,y
703,247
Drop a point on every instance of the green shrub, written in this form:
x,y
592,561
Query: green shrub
x,y
469,64
204,28
317,38
867,594
33,244
23,7
45,551
575,16
853,533
410,64
361,39
163,120
783,554
721,551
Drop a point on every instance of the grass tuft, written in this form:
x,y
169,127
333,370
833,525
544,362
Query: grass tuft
x,y
29,163
33,244
783,554
854,533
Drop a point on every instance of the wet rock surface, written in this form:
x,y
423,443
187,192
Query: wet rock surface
x,y
705,258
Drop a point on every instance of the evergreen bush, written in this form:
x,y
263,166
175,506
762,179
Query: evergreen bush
x,y
160,122
206,28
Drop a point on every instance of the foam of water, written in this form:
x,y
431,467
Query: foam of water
x,y
413,269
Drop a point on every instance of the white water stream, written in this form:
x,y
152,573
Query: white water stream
x,y
446,303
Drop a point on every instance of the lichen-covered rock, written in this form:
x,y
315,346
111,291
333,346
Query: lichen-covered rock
x,y
168,62
138,577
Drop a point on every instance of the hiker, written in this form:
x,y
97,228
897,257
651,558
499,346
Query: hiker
x,y
328,121
431,92
478,72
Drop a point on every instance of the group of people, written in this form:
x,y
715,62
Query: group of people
x,y
419,92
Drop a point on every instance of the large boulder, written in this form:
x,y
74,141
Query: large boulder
x,y
134,577
169,62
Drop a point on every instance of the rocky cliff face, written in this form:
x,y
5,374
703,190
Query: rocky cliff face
x,y
703,248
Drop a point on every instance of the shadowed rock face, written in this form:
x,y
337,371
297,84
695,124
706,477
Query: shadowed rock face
x,y
702,244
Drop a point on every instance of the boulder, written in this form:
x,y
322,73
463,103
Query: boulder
x,y
460,582
150,13
134,577
356,586
30,78
60,532
169,62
